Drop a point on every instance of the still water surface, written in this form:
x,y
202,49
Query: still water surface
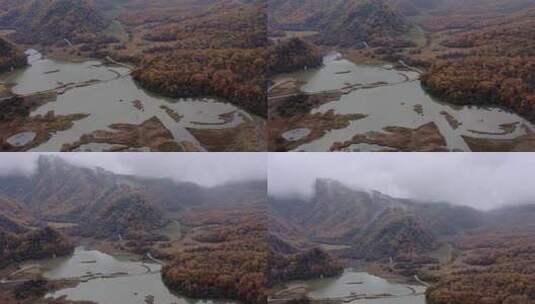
x,y
353,283
109,94
107,279
391,97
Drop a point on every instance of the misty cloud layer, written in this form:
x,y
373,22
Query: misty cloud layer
x,y
482,180
208,169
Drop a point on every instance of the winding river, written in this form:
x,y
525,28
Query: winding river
x,y
109,95
112,279
392,97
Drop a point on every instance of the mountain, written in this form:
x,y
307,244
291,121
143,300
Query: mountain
x,y
415,7
395,233
62,192
212,239
123,213
13,217
57,190
467,256
10,57
50,21
357,23
346,23
376,224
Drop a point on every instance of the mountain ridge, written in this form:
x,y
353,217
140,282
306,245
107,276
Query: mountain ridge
x,y
345,23
48,22
373,222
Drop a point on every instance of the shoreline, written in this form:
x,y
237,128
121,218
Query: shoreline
x,y
298,289
435,137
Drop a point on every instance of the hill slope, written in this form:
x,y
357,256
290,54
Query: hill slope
x,y
10,57
377,225
47,22
346,23
60,191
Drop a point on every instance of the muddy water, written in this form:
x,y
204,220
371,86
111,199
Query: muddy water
x,y
109,95
353,286
111,279
395,98
21,139
296,134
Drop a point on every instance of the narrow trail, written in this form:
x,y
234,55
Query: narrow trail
x,y
420,281
417,70
130,67
155,260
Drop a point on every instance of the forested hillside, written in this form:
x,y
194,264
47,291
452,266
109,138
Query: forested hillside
x,y
291,55
484,256
221,53
345,23
10,57
488,63
108,205
377,225
48,22
212,239
178,48
36,244
230,261
496,265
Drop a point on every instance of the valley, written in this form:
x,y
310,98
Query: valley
x,y
396,250
68,232
73,232
451,93
148,82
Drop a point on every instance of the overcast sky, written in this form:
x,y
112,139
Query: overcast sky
x,y
480,180
208,169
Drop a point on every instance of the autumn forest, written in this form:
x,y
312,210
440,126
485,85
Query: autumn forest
x,y
196,104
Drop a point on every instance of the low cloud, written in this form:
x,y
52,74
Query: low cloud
x,y
480,180
17,163
208,169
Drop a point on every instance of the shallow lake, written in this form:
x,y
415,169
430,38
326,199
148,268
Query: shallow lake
x,y
393,97
112,279
109,95
21,139
353,284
